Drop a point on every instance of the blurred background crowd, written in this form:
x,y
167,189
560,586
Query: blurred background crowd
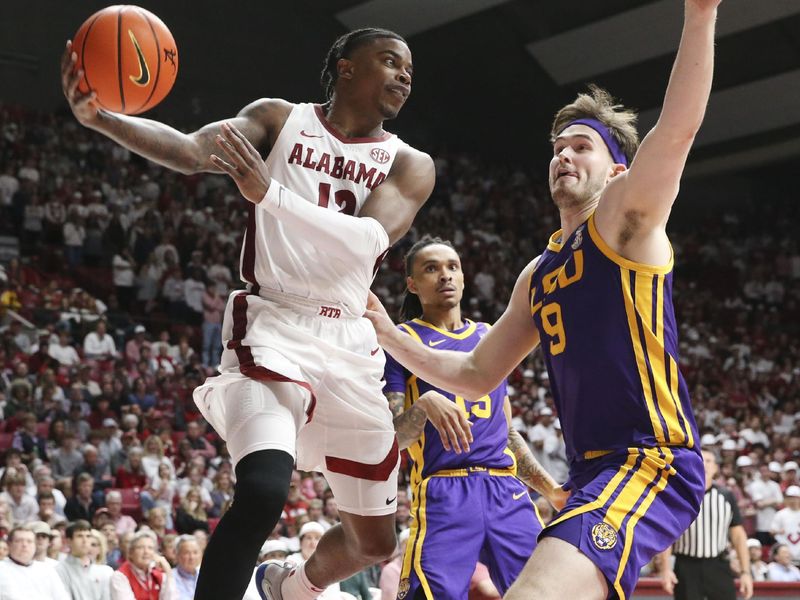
x,y
113,284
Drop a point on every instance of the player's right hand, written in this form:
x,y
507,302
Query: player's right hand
x,y
448,419
558,497
83,106
668,581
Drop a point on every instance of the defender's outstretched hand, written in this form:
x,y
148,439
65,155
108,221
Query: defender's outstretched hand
x,y
83,106
243,163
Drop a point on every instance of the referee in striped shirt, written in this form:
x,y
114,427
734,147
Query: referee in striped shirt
x,y
702,570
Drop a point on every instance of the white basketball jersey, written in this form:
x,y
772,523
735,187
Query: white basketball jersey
x,y
316,162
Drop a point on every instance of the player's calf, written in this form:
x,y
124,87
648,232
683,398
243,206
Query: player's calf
x,y
262,485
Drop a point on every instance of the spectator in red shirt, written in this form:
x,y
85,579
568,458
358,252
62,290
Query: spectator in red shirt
x,y
41,359
295,505
146,575
132,474
102,410
183,457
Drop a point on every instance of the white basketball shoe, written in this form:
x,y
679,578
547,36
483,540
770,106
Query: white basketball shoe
x,y
270,576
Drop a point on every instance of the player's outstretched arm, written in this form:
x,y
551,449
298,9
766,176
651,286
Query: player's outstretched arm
x,y
529,470
183,152
645,194
468,374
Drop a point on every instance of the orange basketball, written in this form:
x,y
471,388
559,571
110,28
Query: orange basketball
x,y
128,56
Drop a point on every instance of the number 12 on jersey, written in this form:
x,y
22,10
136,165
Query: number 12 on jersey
x,y
344,199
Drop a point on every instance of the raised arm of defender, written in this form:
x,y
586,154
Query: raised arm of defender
x,y
635,206
187,153
468,374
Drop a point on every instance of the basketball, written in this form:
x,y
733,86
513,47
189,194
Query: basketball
x,y
129,58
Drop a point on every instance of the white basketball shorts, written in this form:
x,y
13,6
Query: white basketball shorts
x,y
306,379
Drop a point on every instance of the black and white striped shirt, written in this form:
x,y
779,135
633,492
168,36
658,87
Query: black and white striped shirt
x,y
707,537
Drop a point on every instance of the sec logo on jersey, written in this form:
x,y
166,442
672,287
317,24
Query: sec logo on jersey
x,y
379,155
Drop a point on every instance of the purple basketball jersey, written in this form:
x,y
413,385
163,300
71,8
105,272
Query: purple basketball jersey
x,y
489,426
610,343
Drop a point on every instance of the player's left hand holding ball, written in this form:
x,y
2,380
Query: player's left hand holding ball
x,y
244,164
83,106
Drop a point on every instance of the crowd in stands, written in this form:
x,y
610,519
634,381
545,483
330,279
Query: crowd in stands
x,y
111,316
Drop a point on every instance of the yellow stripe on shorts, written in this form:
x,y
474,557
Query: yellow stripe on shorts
x,y
600,501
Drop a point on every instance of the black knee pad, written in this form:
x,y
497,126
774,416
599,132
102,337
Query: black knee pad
x,y
262,483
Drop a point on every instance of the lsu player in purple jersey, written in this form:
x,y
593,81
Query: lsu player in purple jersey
x,y
468,503
599,302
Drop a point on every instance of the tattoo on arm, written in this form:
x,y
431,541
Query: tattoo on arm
x,y
396,401
529,471
408,424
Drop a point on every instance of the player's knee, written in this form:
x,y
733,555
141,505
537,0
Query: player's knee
x,y
262,483
376,547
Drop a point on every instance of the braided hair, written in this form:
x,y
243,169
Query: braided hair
x,y
343,47
411,308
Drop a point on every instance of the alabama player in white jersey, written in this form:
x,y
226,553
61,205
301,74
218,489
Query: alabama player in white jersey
x,y
301,370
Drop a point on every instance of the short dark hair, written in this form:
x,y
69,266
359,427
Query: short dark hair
x,y
411,308
79,525
775,549
343,47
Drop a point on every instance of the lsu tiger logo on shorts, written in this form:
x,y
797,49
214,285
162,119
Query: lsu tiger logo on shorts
x,y
604,536
402,589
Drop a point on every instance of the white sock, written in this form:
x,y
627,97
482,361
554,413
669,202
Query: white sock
x,y
297,586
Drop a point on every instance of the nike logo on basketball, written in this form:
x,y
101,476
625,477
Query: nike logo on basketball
x,y
304,134
144,72
390,500
520,495
374,352
433,343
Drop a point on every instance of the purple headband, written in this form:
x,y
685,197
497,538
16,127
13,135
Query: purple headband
x,y
613,146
